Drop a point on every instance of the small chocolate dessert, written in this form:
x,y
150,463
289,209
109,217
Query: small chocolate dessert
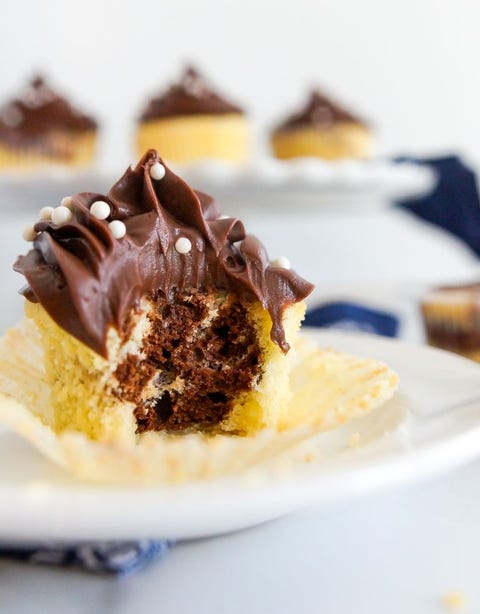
x,y
322,128
451,316
40,127
189,121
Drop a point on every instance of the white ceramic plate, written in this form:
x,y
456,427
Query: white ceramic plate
x,y
433,424
308,183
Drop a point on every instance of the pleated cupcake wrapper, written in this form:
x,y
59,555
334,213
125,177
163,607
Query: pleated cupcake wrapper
x,y
452,321
329,389
81,148
453,317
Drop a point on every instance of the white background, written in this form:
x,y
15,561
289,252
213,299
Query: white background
x,y
410,67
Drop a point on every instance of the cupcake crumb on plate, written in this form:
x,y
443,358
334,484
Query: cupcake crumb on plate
x,y
354,440
454,600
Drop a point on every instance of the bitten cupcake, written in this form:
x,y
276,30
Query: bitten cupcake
x,y
451,317
323,129
160,343
42,128
190,122
158,314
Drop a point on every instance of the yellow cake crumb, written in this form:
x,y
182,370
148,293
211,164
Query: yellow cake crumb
x,y
354,440
454,600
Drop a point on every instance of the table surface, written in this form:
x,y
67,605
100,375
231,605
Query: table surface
x,y
396,551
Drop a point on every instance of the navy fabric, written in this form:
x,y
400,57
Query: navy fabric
x,y
350,316
454,203
115,558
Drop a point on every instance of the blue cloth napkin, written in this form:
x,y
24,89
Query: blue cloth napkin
x,y
114,558
351,316
454,203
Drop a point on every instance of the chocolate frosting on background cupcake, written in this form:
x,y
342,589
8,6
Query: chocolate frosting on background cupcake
x,y
191,95
38,111
319,111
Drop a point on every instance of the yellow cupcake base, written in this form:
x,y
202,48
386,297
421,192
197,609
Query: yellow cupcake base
x,y
197,137
67,150
81,381
341,140
328,389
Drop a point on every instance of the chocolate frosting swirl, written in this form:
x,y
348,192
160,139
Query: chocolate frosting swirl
x,y
89,281
37,112
190,96
319,112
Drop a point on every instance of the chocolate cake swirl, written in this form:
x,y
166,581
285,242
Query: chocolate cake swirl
x,y
89,281
190,96
39,111
318,112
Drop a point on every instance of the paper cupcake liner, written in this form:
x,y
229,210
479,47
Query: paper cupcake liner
x,y
329,389
452,322
70,150
341,140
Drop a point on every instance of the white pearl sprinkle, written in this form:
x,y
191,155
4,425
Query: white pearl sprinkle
x,y
183,245
12,116
100,209
61,215
118,229
157,171
282,262
45,213
67,202
29,233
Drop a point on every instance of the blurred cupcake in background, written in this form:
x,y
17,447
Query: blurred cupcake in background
x,y
189,122
322,129
42,128
451,317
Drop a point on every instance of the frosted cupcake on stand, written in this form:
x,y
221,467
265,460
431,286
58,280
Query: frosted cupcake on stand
x,y
322,129
40,128
190,122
